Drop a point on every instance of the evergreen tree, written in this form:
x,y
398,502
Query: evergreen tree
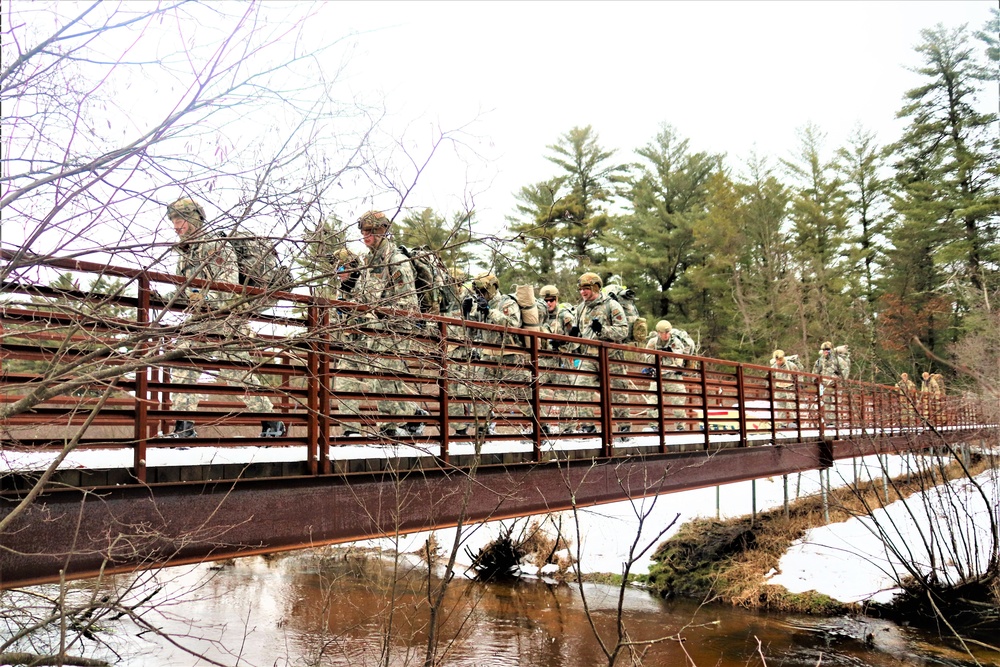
x,y
654,246
591,181
536,226
451,241
949,159
819,226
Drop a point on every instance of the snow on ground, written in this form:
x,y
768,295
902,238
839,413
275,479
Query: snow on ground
x,y
849,560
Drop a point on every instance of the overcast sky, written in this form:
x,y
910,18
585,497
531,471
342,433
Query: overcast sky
x,y
733,77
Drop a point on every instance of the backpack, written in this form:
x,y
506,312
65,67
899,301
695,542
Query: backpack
x,y
435,293
258,261
637,327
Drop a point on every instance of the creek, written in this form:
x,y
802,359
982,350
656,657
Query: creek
x,y
320,608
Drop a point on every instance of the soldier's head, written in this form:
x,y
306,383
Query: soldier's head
x,y
663,329
550,294
345,261
926,375
374,225
826,348
779,357
904,377
187,216
590,285
486,285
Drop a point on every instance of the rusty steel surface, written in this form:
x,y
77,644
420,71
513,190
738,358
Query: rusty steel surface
x,y
46,401
118,529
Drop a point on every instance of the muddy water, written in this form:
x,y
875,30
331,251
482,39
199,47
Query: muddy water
x,y
310,611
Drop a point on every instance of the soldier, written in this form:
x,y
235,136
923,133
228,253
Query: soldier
x,y
558,319
598,317
390,283
832,364
907,398
932,390
351,282
206,256
505,379
669,339
784,393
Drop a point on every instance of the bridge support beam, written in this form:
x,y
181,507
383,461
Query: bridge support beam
x,y
81,532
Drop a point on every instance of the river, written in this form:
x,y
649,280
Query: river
x,y
319,608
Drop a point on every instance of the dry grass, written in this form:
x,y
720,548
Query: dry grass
x,y
685,567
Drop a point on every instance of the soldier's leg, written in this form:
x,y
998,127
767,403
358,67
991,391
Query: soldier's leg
x,y
579,410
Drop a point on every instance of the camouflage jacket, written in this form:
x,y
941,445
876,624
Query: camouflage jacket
x,y
390,283
678,343
504,312
207,258
559,322
832,366
784,379
607,311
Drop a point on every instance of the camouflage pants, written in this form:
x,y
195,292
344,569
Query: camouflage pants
x,y
239,377
548,377
388,367
349,407
590,379
673,394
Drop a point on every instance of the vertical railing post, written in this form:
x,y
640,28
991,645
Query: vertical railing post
x,y
140,431
444,398
704,401
604,381
312,387
536,398
774,405
741,407
821,406
661,424
325,380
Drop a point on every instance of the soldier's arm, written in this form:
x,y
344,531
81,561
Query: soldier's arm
x,y
616,330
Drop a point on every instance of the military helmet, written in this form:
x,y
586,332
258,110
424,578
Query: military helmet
x,y
663,326
827,345
344,258
487,284
373,221
779,354
549,290
188,209
591,280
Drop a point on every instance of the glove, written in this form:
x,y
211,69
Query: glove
x,y
467,306
196,301
574,330
557,344
596,326
651,372
482,304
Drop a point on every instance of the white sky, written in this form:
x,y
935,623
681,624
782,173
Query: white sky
x,y
734,77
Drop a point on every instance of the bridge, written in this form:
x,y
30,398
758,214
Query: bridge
x,y
495,423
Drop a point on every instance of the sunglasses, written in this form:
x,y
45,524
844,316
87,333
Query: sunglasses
x,y
588,286
550,299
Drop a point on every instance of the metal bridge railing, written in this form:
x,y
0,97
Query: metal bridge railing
x,y
99,371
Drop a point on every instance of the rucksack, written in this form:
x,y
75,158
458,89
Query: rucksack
x,y
435,293
637,329
258,261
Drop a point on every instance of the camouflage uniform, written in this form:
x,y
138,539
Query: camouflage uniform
x,y
352,281
557,321
831,364
784,391
390,283
678,342
206,257
614,329
907,390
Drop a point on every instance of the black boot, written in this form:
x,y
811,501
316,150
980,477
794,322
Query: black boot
x,y
417,428
183,429
272,429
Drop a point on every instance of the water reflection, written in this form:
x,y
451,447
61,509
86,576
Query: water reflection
x,y
322,610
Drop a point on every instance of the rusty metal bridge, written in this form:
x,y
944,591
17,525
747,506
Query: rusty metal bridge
x,y
481,427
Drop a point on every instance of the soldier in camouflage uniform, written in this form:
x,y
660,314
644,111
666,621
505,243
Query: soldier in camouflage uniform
x,y
669,339
205,256
907,390
833,364
351,279
558,319
784,386
598,317
507,380
389,283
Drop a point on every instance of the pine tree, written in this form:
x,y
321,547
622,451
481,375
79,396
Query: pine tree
x,y
655,245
